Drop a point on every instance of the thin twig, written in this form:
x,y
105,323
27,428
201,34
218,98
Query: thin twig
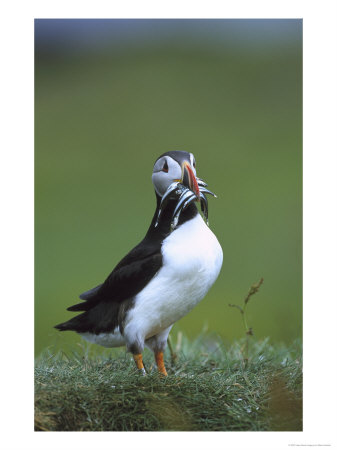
x,y
173,355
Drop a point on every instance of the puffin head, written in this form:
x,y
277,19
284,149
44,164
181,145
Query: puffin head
x,y
175,166
174,177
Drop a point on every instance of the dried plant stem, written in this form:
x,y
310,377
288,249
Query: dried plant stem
x,y
248,330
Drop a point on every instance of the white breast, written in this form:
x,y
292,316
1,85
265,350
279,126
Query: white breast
x,y
192,259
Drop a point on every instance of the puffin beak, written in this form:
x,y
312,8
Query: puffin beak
x,y
188,179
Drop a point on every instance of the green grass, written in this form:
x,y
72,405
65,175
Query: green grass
x,y
210,387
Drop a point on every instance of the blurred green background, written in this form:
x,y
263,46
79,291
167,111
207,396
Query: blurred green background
x,y
110,97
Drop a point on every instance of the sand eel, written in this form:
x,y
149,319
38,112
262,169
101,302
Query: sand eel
x,y
160,280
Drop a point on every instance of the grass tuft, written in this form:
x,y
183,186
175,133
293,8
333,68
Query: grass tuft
x,y
209,388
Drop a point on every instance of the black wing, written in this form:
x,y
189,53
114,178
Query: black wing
x,y
102,304
128,278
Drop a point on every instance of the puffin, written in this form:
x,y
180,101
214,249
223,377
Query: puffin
x,y
161,279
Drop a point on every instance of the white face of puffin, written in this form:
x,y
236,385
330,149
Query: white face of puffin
x,y
167,170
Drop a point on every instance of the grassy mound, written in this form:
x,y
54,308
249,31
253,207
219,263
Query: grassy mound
x,y
209,387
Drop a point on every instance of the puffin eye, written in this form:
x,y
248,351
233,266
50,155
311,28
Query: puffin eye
x,y
165,167
194,163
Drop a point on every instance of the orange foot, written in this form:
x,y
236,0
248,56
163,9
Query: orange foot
x,y
160,363
139,363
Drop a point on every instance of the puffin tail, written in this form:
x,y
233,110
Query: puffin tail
x,y
102,317
72,324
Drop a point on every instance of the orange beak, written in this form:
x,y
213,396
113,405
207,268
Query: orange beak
x,y
188,179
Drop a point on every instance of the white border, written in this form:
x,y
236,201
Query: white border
x,y
320,222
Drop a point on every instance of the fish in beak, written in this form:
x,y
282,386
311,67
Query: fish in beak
x,y
185,190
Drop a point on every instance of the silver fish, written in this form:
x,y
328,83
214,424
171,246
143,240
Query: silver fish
x,y
175,188
201,182
182,199
204,206
206,191
185,197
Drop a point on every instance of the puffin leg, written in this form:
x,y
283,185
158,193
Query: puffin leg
x,y
160,363
138,358
157,344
